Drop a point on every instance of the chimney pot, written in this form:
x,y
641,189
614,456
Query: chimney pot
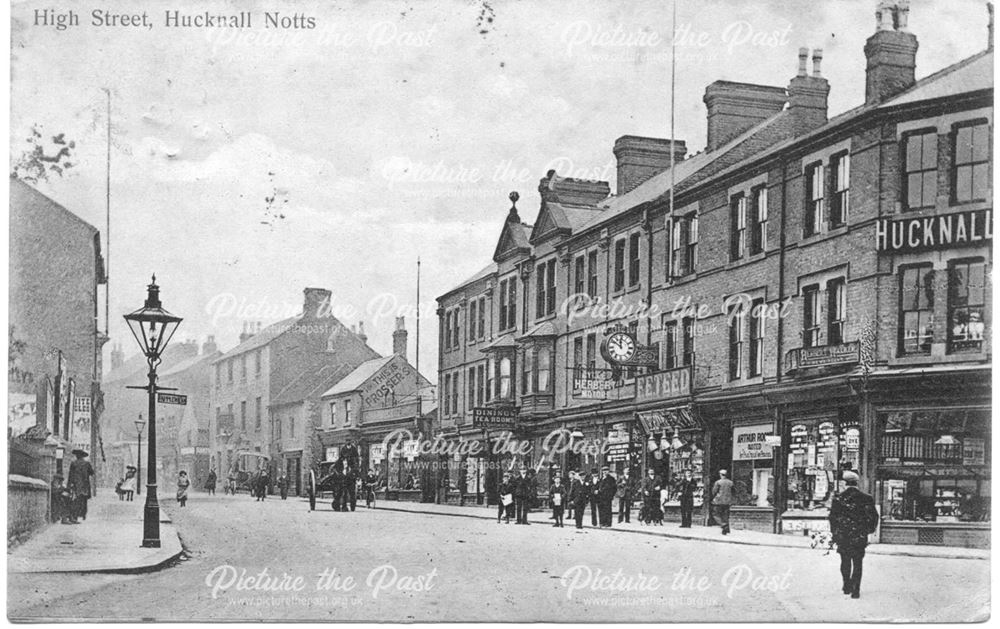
x,y
803,56
817,62
891,54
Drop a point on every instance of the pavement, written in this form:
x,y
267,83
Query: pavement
x,y
109,540
699,533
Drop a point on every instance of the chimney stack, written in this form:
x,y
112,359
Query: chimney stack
x,y
640,158
399,338
736,107
209,347
317,301
247,332
361,332
891,53
807,95
989,26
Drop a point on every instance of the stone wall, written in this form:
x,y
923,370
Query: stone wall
x,y
27,507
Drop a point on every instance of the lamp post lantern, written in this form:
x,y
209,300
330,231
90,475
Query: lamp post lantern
x,y
152,327
139,425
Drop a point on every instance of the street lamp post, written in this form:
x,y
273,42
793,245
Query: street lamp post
x,y
139,425
152,327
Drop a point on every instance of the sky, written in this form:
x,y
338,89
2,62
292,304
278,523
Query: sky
x,y
247,164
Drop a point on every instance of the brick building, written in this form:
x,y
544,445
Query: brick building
x,y
807,295
292,359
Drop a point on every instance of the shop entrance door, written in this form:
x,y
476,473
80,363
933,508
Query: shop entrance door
x,y
293,472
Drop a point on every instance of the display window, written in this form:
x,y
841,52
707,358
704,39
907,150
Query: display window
x,y
934,465
752,470
819,451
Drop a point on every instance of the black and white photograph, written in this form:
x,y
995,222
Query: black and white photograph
x,y
331,311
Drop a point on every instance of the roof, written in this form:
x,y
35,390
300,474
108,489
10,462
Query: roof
x,y
262,338
968,75
507,340
16,184
542,330
309,383
188,363
354,380
486,271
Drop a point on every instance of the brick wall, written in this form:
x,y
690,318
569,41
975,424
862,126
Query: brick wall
x,y
27,506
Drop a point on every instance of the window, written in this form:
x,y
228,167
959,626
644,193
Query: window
x,y
544,369
508,303
447,330
966,303
810,316
840,204
257,413
756,365
243,367
277,425
579,275
445,406
257,362
550,288
527,367
678,342
814,198
482,317
481,385
633,260
592,274
291,427
737,320
229,370
836,308
455,327
540,291
490,379
229,411
218,375
691,261
619,265
347,413
676,264
503,304
970,179
333,414
578,365
243,415
473,318
545,289
471,385
916,310
920,163
592,354
505,392
758,233
738,227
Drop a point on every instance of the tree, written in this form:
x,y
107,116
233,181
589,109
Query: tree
x,y
38,161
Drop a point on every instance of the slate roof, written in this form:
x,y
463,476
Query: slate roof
x,y
261,338
354,380
309,383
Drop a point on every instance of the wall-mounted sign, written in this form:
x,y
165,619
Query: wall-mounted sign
x,y
593,388
495,418
663,385
80,428
669,419
750,442
616,452
823,356
934,232
973,451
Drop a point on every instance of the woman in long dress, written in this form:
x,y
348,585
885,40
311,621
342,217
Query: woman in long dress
x,y
128,484
182,487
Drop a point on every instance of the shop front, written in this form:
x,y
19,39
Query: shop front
x,y
933,476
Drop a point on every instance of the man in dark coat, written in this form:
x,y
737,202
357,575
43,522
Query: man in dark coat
x,y
505,490
557,496
78,483
852,518
722,500
578,496
336,483
371,482
524,490
651,486
606,488
590,482
350,493
261,483
283,486
626,494
685,491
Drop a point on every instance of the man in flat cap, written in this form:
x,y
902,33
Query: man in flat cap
x,y
722,499
852,518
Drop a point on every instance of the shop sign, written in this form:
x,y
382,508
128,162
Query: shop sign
x,y
495,418
823,356
773,441
934,232
750,442
619,433
376,453
973,451
410,449
662,420
812,524
663,385
593,388
80,429
616,452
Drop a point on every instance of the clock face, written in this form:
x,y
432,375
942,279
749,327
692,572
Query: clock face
x,y
621,347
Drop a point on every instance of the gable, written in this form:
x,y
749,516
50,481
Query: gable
x,y
510,244
546,225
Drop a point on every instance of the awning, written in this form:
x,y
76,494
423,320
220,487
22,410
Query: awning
x,y
660,420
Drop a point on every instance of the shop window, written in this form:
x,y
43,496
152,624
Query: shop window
x,y
689,457
756,365
619,265
840,204
934,465
971,159
758,232
966,305
810,316
920,167
737,227
592,274
737,321
819,450
633,260
836,308
544,369
814,199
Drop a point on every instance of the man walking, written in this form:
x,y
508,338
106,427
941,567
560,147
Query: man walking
x,y
523,490
578,495
685,491
722,499
606,489
852,518
626,494
80,472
